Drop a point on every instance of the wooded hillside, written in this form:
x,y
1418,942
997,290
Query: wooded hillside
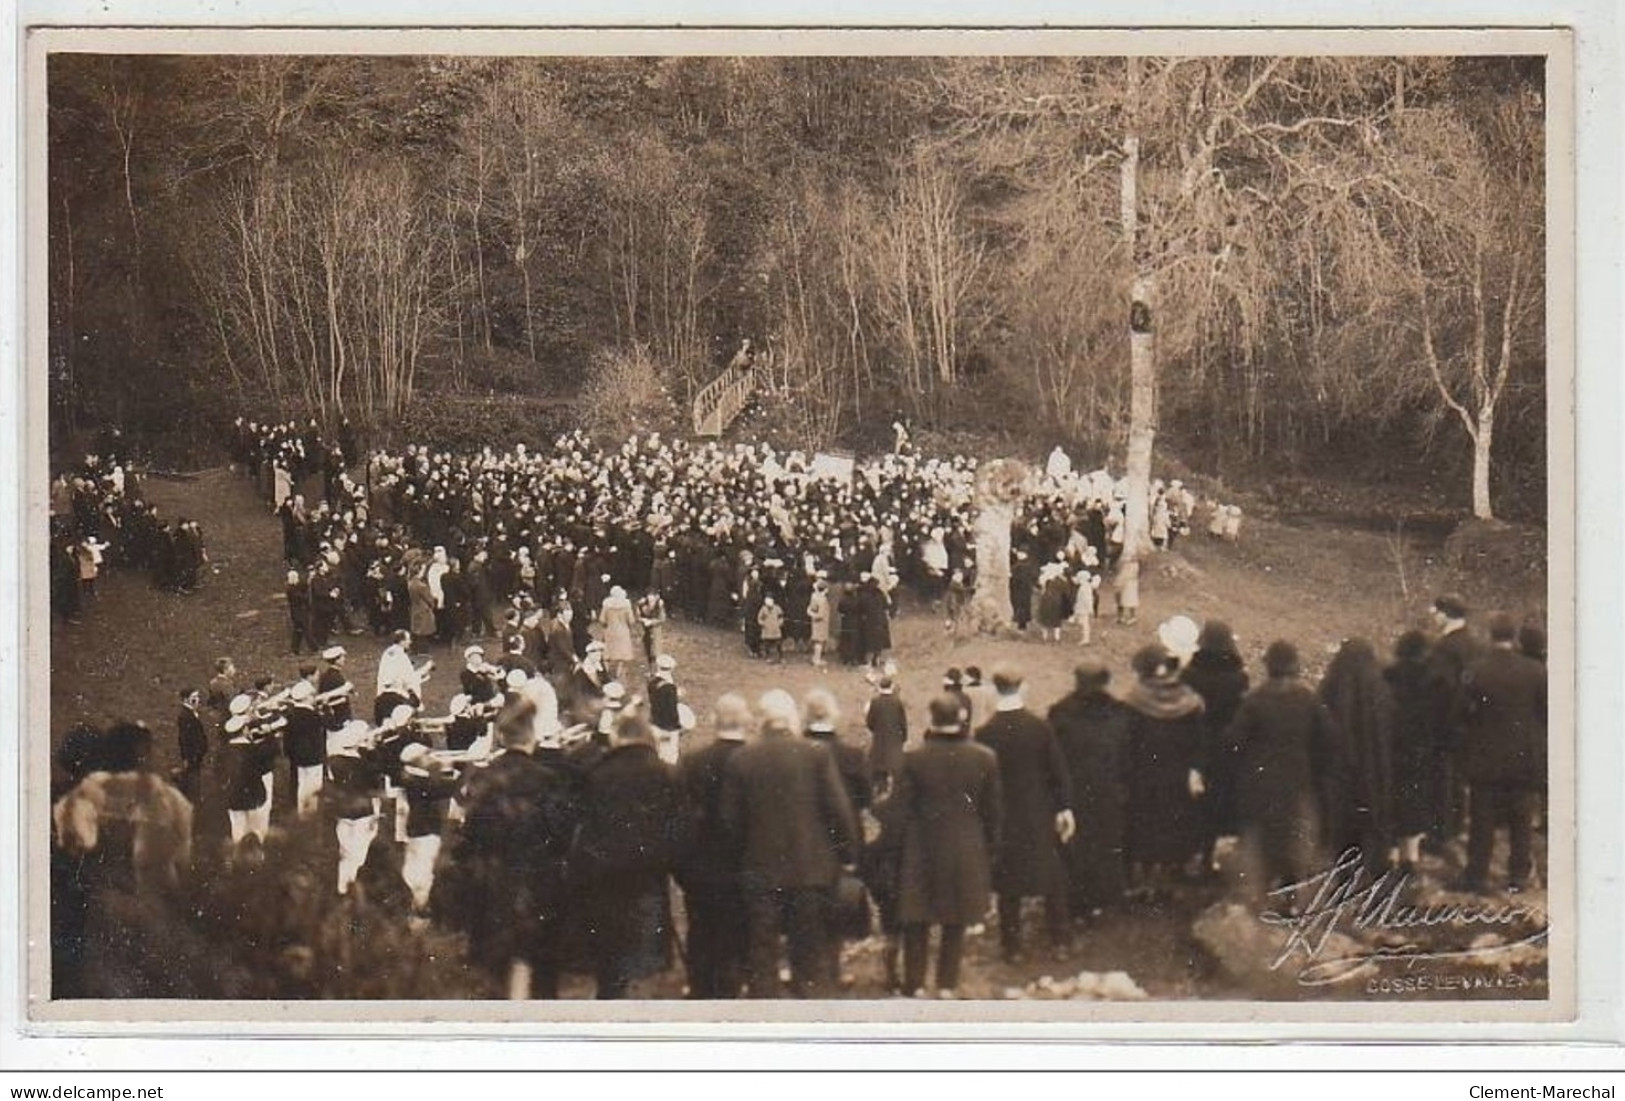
x,y
1341,259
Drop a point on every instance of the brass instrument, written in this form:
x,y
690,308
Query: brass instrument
x,y
324,700
578,735
274,703
438,723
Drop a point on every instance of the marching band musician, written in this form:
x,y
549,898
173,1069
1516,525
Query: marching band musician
x,y
467,725
222,688
304,742
251,752
478,679
428,783
609,708
589,681
399,681
665,708
514,657
331,685
355,776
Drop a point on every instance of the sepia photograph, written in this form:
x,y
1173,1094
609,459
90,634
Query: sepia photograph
x,y
1003,527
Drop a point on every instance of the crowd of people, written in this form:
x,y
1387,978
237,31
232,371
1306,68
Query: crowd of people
x,y
549,813
549,824
464,547
99,518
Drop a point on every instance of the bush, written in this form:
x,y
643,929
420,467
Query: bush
x,y
463,425
625,395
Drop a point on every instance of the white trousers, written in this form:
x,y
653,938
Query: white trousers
x,y
308,786
667,744
245,822
417,867
355,839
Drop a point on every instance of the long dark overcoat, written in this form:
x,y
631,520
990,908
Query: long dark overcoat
x,y
634,827
520,818
1411,684
1503,712
1036,787
783,799
1219,677
1165,820
1279,732
1093,731
951,812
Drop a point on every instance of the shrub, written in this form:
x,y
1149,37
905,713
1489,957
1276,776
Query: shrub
x,y
463,425
625,394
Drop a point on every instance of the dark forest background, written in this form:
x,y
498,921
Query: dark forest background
x,y
1346,254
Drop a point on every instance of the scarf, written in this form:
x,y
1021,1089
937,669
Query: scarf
x,y
1166,700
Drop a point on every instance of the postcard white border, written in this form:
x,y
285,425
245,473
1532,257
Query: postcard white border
x,y
1595,988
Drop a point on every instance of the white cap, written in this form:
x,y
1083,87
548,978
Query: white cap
x,y
351,734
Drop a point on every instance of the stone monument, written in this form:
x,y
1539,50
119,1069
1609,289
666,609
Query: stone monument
x,y
1000,486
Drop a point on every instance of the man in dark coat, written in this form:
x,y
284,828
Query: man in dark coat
x,y
1455,648
1278,734
1410,684
782,797
850,624
633,828
559,645
875,620
950,811
1219,676
709,872
1023,584
1092,728
887,721
193,741
1502,753
822,715
519,823
297,592
1038,818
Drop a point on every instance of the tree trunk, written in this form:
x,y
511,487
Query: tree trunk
x,y
1142,358
1142,430
1482,439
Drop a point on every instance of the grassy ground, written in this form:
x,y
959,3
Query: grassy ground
x,y
1314,584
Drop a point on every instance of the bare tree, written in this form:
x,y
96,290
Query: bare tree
x,y
927,268
1212,155
1461,226
331,283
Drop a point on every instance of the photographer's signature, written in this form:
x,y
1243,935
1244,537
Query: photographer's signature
x,y
1347,899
